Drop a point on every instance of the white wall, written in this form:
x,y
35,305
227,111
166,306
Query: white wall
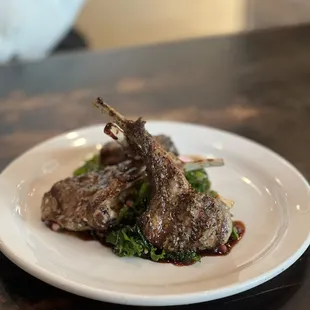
x,y
115,23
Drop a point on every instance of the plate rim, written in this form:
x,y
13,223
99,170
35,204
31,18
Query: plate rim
x,y
154,300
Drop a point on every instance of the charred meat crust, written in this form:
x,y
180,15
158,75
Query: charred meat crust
x,y
177,218
92,201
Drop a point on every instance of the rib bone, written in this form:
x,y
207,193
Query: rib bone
x,y
178,218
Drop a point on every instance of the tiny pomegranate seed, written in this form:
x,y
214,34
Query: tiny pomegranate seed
x,y
223,249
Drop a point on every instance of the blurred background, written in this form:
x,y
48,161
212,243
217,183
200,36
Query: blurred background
x,y
34,29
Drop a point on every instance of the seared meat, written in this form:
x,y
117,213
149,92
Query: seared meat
x,y
167,144
92,200
113,153
178,218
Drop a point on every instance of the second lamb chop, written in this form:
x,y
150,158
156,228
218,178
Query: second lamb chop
x,y
178,218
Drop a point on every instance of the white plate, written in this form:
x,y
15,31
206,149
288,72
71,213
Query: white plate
x,y
271,198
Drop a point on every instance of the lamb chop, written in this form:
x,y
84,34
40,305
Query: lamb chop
x,y
178,218
91,201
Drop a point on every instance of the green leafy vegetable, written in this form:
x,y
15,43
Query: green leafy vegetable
x,y
156,257
92,164
143,194
125,214
185,258
129,214
234,233
200,181
129,241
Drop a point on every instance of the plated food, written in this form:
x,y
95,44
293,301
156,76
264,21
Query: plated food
x,y
141,198
270,196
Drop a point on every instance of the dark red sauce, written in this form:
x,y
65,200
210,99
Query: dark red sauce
x,y
83,235
224,250
220,251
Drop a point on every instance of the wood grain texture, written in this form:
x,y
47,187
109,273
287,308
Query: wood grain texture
x,y
256,85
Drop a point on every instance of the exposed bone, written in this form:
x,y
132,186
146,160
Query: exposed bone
x,y
177,218
228,202
115,132
105,108
204,163
118,135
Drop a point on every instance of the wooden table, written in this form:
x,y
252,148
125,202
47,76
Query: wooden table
x,y
256,85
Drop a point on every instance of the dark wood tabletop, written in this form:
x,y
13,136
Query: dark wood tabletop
x,y
256,85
